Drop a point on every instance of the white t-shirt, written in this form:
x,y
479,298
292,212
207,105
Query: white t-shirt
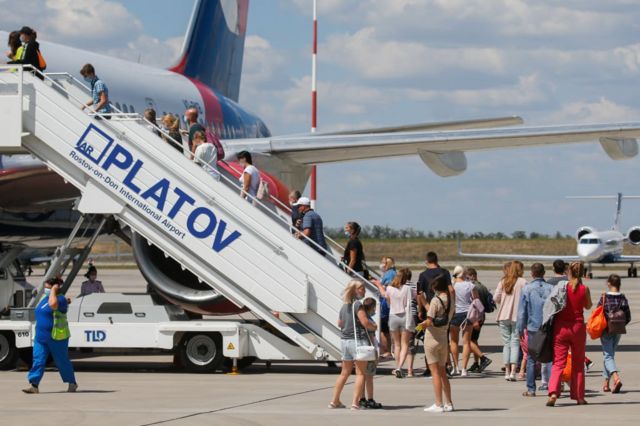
x,y
208,154
255,179
464,296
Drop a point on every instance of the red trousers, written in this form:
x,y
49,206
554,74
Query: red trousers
x,y
568,336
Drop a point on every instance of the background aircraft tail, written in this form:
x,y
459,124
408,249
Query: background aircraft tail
x,y
214,45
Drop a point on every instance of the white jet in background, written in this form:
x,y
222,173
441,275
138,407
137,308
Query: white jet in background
x,y
603,247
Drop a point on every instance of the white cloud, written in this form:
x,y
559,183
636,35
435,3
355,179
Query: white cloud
x,y
600,111
98,25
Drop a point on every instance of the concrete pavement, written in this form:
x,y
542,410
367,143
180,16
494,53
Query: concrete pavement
x,y
137,390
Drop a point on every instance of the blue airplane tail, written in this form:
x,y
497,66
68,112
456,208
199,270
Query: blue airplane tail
x,y
214,45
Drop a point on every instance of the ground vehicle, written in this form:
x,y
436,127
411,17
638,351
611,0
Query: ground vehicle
x,y
125,321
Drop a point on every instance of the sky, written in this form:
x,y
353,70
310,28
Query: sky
x,y
384,63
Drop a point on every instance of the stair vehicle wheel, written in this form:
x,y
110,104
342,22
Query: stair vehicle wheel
x,y
629,272
8,352
201,353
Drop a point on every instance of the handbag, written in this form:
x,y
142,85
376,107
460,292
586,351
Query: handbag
x,y
60,330
597,323
442,320
541,344
363,353
409,320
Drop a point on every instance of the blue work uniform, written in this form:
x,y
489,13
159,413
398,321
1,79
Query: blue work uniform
x,y
44,345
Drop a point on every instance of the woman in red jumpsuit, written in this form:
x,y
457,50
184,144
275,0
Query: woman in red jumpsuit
x,y
570,333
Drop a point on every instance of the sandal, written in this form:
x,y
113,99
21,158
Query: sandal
x,y
606,388
355,408
583,402
551,402
528,394
334,406
617,386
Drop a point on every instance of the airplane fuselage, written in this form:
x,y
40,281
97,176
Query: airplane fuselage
x,y
601,246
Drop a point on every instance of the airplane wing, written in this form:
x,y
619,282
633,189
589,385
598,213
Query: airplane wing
x,y
443,151
483,123
513,256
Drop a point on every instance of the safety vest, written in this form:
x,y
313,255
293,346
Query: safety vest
x,y
60,330
19,53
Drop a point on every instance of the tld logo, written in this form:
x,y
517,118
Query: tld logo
x,y
94,143
95,335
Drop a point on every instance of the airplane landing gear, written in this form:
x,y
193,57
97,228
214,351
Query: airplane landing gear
x,y
589,273
632,272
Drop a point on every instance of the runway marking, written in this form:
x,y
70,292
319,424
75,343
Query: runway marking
x,y
231,407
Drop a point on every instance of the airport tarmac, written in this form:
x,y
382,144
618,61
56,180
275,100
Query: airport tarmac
x,y
144,390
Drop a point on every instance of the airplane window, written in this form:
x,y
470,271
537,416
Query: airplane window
x,y
125,109
118,106
132,109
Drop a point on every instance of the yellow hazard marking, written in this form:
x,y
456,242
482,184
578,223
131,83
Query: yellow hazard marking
x,y
230,347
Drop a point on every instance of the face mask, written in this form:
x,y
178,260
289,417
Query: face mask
x,y
347,233
87,79
47,291
186,120
23,40
383,266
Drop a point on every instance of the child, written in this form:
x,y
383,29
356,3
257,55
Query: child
x,y
618,314
369,305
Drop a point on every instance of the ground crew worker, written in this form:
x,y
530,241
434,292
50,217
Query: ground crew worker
x,y
52,337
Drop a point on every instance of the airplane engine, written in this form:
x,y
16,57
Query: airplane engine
x,y
178,286
584,231
633,235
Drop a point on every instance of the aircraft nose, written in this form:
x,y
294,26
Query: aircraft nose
x,y
587,251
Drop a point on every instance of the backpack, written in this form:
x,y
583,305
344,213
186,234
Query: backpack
x,y
616,321
486,298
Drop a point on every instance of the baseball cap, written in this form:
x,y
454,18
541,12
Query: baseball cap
x,y
302,201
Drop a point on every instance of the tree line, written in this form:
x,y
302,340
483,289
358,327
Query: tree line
x,y
379,232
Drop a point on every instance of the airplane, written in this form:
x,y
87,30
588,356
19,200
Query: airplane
x,y
593,246
36,206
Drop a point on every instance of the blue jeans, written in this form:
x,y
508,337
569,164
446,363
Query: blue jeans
x,y
59,350
531,372
511,348
609,346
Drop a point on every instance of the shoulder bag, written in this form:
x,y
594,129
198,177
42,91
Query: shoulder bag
x,y
363,353
597,323
442,320
540,344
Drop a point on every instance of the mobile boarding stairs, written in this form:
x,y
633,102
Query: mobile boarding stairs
x,y
122,169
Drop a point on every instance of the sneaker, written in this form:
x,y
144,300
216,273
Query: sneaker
x,y
372,404
31,389
475,368
543,388
72,387
398,373
463,373
434,409
512,378
426,373
448,408
484,363
363,403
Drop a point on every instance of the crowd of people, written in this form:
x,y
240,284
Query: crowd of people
x,y
444,311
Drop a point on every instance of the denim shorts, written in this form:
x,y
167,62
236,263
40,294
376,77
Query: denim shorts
x,y
348,349
458,319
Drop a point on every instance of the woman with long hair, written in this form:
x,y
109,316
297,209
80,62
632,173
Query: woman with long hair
x,y
570,333
399,296
508,297
354,252
352,307
464,294
14,45
436,348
